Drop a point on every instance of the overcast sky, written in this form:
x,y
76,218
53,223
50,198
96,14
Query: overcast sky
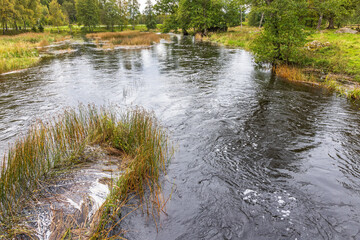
x,y
142,4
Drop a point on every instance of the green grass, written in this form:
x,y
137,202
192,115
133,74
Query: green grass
x,y
342,56
235,37
19,51
60,142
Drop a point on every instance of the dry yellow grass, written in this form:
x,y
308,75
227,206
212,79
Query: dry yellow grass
x,y
129,38
290,73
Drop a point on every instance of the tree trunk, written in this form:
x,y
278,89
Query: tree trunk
x,y
261,20
331,23
16,26
319,22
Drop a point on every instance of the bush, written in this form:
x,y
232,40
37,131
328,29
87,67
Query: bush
x,y
41,28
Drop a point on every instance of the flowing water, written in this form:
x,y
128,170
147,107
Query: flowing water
x,y
257,157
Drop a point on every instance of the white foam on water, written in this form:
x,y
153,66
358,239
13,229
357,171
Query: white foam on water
x,y
248,191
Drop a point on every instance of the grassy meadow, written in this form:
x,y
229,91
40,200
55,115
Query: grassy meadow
x,y
20,51
50,146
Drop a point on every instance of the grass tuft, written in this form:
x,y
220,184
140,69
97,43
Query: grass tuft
x,y
61,142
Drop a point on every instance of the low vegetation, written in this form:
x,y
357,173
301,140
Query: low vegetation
x,y
234,37
129,38
20,51
325,54
333,82
52,145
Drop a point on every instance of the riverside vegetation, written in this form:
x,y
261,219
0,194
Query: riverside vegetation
x,y
21,51
127,38
51,146
326,58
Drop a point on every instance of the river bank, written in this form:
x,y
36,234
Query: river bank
x,y
23,51
329,59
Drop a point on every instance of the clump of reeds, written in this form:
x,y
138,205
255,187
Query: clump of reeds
x,y
129,38
290,73
61,142
146,143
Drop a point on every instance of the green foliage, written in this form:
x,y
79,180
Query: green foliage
x,y
110,13
133,10
149,16
87,13
56,16
283,34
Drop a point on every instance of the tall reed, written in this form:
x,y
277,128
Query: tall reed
x,y
61,141
146,143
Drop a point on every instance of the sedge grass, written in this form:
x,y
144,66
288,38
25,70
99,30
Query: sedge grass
x,y
60,142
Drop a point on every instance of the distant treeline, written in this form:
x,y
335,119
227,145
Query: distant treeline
x,y
207,15
196,15
24,14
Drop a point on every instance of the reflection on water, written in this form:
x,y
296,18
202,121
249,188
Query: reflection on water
x,y
258,157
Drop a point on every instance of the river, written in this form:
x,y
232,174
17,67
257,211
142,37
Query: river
x,y
257,157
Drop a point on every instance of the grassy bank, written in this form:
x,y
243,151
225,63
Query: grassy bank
x,y
20,51
235,37
53,145
333,57
127,38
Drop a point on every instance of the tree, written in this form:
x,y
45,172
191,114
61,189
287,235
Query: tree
x,y
234,12
336,12
111,13
283,33
56,15
70,12
168,9
201,15
123,13
87,13
6,10
133,8
149,16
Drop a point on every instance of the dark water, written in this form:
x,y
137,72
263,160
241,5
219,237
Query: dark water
x,y
257,157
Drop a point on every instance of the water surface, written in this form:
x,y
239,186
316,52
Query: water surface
x,y
257,157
